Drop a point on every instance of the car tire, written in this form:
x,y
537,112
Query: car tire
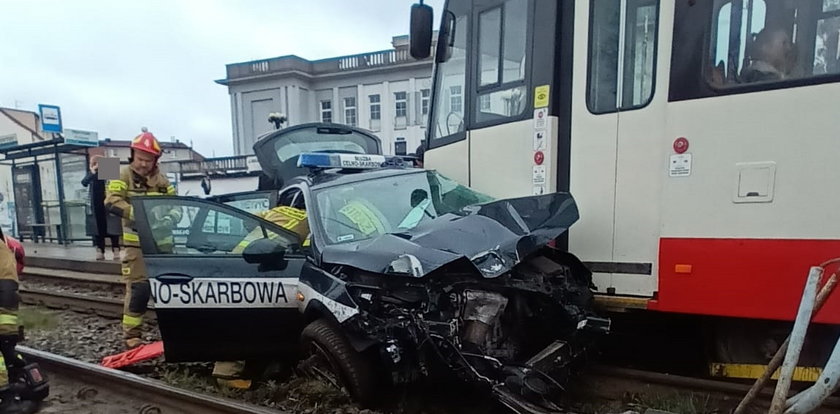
x,y
355,370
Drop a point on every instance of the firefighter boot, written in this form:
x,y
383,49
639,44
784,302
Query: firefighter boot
x,y
10,404
131,343
229,374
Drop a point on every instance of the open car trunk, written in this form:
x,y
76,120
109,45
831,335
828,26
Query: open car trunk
x,y
278,151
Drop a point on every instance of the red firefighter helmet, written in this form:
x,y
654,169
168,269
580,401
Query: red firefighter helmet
x,y
17,249
146,142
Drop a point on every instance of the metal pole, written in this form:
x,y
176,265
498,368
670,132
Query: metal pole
x,y
61,210
776,362
810,399
13,196
797,339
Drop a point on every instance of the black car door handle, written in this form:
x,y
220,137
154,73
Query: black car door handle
x,y
171,279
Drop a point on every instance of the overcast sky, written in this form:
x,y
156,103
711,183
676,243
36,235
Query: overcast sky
x,y
114,66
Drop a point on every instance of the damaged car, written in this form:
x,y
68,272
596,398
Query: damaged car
x,y
381,274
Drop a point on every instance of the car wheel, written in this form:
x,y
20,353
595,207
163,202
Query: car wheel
x,y
328,356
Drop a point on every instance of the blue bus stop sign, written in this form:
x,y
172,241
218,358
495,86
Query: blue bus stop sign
x,y
50,118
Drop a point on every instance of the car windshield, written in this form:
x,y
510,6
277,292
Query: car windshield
x,y
366,209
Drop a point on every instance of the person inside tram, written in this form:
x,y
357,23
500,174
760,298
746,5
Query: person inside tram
x,y
418,162
773,56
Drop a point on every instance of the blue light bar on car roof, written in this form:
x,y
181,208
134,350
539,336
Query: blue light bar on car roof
x,y
353,161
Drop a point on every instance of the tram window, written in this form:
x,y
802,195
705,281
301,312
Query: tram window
x,y
632,55
448,109
766,42
754,45
502,41
489,40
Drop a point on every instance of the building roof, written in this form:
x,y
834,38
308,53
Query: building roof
x,y
382,59
116,143
8,113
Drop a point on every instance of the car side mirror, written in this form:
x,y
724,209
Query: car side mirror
x,y
420,32
268,253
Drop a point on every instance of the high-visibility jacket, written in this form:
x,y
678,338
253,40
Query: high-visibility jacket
x,y
130,184
289,218
8,291
364,216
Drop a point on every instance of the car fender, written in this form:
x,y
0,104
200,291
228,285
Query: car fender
x,y
316,309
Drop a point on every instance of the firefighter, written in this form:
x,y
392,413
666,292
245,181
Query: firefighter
x,y
11,365
230,373
290,218
140,177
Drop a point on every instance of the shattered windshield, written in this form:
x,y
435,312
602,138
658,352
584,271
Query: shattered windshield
x,y
366,209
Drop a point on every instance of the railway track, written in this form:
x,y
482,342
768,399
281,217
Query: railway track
x,y
70,277
616,383
79,382
600,382
105,307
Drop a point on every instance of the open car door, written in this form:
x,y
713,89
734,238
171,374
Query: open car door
x,y
226,291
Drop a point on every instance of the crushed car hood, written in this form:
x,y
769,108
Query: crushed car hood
x,y
494,237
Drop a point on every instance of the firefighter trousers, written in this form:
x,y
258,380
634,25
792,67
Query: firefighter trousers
x,y
9,326
137,292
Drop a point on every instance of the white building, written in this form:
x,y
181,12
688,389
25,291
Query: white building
x,y
386,92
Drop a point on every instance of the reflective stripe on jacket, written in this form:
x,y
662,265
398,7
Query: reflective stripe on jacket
x,y
118,200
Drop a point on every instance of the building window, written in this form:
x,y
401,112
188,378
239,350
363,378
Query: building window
x,y
484,103
326,111
400,146
400,104
350,111
456,100
424,100
375,110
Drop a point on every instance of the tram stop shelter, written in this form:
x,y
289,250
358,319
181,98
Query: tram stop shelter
x,y
51,204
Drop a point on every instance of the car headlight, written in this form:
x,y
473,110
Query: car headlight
x,y
406,264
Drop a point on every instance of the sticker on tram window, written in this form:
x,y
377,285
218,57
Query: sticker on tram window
x,y
539,140
541,96
540,118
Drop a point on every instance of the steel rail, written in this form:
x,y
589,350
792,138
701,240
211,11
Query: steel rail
x,y
641,381
106,307
157,396
46,275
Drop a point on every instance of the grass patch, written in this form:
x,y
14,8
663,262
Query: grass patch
x,y
186,377
675,402
37,319
296,394
598,407
293,394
